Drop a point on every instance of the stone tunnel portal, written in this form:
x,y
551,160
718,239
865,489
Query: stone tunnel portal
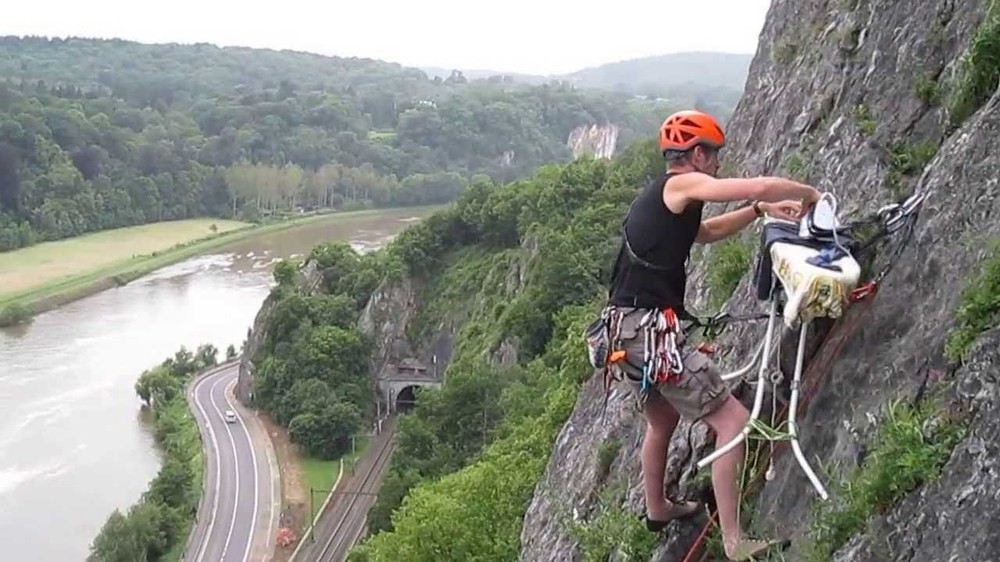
x,y
406,400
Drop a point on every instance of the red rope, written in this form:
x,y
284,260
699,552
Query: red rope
x,y
865,293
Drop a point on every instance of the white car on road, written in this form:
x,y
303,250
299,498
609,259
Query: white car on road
x,y
230,416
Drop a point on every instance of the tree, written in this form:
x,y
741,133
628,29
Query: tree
x,y
285,273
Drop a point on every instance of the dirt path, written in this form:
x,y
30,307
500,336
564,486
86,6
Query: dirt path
x,y
295,497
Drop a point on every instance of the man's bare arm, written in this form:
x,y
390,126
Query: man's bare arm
x,y
725,225
703,187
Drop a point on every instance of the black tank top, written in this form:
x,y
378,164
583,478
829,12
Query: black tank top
x,y
662,239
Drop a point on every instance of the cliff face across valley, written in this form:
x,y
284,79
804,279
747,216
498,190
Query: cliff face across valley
x,y
868,100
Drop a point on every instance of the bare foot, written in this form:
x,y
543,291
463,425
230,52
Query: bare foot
x,y
747,549
657,518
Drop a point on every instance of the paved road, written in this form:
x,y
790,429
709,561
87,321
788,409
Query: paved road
x,y
237,517
343,523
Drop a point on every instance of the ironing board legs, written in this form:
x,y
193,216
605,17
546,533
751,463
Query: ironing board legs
x,y
792,410
758,398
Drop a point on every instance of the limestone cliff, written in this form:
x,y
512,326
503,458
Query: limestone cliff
x,y
850,96
595,140
390,315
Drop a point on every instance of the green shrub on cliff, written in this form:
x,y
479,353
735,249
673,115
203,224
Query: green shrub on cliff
x,y
979,70
311,370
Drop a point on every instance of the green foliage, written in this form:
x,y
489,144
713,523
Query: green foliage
x,y
285,272
159,522
100,134
866,123
911,448
796,166
980,306
979,70
928,90
324,431
312,365
611,529
14,314
907,160
729,261
317,386
470,453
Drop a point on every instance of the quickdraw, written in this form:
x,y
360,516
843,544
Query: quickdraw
x,y
662,360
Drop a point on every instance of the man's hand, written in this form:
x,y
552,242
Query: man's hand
x,y
784,210
811,199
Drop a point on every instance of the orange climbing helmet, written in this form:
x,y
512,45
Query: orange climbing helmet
x,y
686,129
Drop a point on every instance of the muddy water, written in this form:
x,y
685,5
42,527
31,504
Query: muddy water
x,y
73,445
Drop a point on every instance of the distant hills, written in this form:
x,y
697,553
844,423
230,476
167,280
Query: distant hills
x,y
710,80
662,71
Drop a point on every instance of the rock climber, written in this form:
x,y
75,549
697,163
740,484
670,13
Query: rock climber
x,y
649,277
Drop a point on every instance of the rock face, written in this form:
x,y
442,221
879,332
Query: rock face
x,y
598,141
384,321
843,95
954,518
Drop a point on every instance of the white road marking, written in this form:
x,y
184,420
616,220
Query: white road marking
x,y
218,461
253,457
232,444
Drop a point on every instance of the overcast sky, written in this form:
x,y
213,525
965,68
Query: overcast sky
x,y
534,36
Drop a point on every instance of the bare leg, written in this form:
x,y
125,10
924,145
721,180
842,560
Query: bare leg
x,y
661,420
728,421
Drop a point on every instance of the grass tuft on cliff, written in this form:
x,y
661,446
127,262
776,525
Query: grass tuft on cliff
x,y
979,70
912,446
980,307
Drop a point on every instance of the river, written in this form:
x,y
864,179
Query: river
x,y
73,442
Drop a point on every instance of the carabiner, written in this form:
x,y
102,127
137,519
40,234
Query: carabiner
x,y
676,362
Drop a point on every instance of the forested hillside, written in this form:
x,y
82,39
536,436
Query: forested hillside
x,y
98,134
514,271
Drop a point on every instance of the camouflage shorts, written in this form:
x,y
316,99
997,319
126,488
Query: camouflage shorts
x,y
698,391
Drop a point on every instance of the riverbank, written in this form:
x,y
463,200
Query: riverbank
x,y
20,306
159,524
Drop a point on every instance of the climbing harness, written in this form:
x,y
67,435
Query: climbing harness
x,y
660,329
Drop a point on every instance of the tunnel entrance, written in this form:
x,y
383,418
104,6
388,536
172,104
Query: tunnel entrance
x,y
406,400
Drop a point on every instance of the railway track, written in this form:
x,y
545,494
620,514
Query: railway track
x,y
352,509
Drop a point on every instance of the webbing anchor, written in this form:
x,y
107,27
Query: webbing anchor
x,y
863,292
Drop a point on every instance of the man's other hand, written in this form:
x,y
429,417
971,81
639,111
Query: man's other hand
x,y
784,210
